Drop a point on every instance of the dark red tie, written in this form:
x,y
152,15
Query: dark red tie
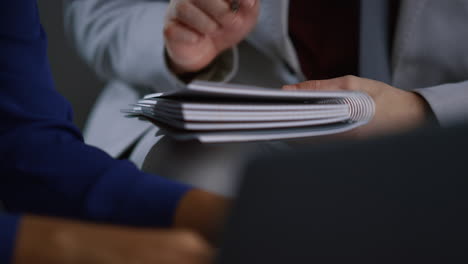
x,y
325,34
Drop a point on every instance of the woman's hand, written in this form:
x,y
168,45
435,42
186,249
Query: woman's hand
x,y
396,110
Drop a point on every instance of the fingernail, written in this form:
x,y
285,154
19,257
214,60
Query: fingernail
x,y
250,3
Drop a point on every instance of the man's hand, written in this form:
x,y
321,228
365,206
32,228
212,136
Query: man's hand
x,y
47,241
202,212
197,31
396,110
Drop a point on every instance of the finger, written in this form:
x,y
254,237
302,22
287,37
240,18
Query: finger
x,y
192,16
176,32
315,85
216,9
308,85
336,84
246,6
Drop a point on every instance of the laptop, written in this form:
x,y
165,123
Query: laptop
x,y
395,200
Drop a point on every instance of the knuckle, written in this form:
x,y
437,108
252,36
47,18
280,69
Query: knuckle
x,y
182,8
304,85
316,84
309,85
349,82
170,31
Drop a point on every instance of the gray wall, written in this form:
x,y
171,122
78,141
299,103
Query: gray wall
x,y
73,78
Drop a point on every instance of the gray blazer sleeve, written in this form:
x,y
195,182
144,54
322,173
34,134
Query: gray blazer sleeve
x,y
449,102
123,39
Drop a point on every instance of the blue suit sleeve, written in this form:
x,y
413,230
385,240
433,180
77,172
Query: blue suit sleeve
x,y
45,168
8,228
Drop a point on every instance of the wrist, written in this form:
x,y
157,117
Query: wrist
x,y
184,74
182,70
420,110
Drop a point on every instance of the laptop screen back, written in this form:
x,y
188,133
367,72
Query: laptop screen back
x,y
396,200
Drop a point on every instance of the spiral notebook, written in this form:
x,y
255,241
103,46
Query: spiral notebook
x,y
218,112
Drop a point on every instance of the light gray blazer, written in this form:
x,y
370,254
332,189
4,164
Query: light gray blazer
x,y
123,41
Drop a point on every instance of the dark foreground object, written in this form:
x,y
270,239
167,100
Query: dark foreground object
x,y
396,200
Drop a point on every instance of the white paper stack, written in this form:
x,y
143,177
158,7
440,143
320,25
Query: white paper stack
x,y
218,112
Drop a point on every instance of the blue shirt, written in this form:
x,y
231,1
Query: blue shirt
x,y
45,168
8,226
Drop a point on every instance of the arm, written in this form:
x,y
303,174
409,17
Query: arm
x,y
46,168
121,39
55,241
124,39
396,110
45,240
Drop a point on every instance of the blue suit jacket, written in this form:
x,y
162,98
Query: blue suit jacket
x,y
45,168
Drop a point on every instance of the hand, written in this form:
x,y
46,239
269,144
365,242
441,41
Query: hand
x,y
202,212
46,241
396,110
197,31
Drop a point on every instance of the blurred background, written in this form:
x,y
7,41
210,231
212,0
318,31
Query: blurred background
x,y
73,78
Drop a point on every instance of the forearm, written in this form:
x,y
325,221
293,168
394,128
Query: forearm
x,y
56,241
66,178
124,40
38,241
44,240
46,168
47,240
